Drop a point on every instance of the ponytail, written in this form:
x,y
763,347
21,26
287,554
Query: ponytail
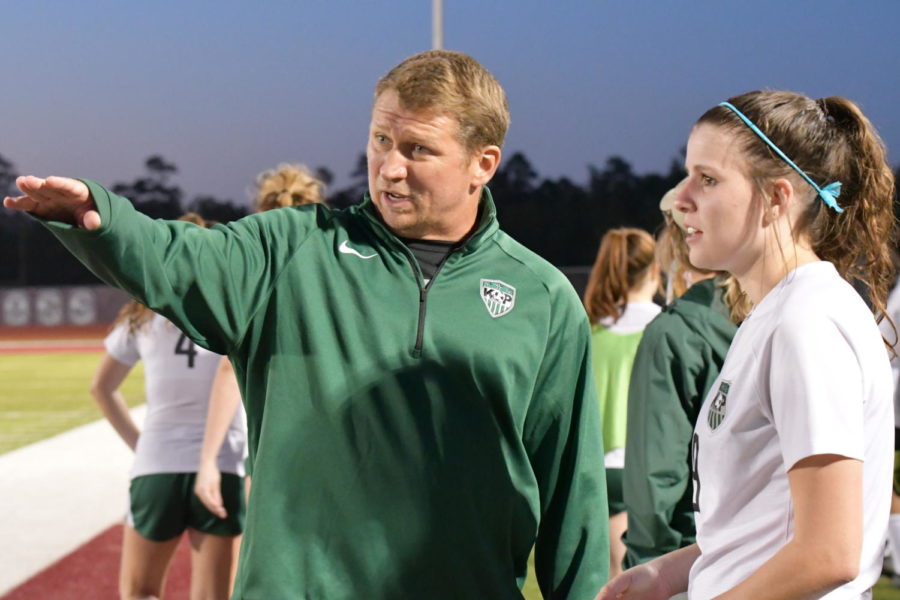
x,y
623,259
859,241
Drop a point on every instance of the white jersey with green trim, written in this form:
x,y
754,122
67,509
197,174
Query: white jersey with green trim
x,y
807,374
178,376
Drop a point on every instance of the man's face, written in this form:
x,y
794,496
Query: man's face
x,y
422,180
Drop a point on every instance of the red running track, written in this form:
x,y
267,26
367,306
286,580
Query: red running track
x,y
92,572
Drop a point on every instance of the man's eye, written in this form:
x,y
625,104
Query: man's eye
x,y
380,139
419,149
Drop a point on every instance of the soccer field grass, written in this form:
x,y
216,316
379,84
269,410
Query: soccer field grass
x,y
45,394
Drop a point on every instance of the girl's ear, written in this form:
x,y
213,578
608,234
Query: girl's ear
x,y
781,195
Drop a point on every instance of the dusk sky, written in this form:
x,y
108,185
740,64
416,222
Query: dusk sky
x,y
226,89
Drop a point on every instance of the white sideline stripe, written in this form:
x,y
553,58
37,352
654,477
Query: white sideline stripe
x,y
59,493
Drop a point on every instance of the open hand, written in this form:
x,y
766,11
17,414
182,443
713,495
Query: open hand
x,y
56,199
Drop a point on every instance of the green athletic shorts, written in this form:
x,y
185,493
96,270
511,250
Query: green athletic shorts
x,y
615,495
163,505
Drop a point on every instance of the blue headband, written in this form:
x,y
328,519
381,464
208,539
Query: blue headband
x,y
827,193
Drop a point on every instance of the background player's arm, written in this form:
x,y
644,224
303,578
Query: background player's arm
x,y
826,491
657,448
105,389
224,398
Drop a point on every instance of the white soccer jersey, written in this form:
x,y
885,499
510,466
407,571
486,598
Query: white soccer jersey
x,y
178,375
806,374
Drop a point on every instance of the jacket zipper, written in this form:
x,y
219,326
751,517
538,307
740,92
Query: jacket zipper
x,y
423,295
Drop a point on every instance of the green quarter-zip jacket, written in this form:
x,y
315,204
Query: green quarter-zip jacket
x,y
406,440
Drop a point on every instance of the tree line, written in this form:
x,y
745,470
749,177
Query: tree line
x,y
557,218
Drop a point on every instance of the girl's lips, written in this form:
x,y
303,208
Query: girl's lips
x,y
692,234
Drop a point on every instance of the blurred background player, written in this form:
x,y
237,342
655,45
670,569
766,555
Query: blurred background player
x,y
178,375
286,185
619,302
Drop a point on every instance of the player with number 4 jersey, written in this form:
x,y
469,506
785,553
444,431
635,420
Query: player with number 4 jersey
x,y
162,505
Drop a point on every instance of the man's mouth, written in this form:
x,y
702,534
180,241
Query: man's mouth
x,y
392,197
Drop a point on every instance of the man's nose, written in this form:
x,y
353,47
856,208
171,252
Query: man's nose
x,y
393,167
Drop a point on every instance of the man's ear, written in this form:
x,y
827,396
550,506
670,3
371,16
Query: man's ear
x,y
484,165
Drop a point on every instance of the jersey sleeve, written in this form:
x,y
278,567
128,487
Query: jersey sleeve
x,y
564,441
209,282
664,395
122,345
815,390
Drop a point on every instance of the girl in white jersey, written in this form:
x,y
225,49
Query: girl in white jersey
x,y
792,448
178,375
619,302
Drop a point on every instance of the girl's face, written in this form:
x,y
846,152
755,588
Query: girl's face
x,y
722,214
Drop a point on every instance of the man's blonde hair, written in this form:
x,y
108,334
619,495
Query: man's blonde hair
x,y
456,84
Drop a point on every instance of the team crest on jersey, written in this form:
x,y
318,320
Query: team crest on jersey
x,y
499,297
717,411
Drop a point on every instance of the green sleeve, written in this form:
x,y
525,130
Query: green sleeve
x,y
564,441
657,486
209,282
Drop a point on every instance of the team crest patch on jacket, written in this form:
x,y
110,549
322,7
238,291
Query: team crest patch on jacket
x,y
717,411
499,297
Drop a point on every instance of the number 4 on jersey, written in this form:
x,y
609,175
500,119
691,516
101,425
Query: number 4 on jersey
x,y
186,347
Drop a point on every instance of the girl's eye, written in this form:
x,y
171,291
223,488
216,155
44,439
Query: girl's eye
x,y
707,180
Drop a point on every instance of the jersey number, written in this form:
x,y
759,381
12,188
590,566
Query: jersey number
x,y
186,347
695,477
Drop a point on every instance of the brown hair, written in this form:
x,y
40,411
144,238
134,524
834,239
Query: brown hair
x,y
135,314
287,185
672,254
831,140
623,259
457,84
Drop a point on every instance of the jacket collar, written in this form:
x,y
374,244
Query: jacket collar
x,y
487,222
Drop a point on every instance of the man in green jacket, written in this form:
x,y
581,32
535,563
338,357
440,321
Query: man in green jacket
x,y
420,404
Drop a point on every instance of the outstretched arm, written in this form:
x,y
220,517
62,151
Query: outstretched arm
x,y
105,389
224,399
208,282
56,199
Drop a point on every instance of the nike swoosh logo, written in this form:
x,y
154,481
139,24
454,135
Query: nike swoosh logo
x,y
345,249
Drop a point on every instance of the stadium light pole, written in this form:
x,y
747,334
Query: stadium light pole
x,y
437,24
